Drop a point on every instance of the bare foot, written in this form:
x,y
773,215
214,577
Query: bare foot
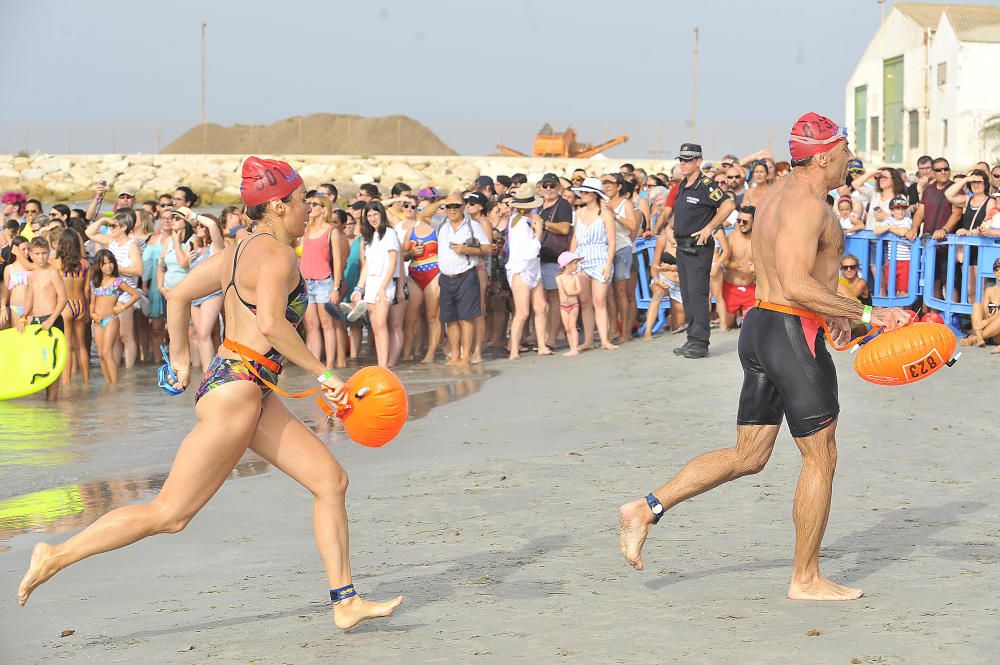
x,y
572,352
514,356
608,347
647,338
544,351
996,350
477,359
427,360
822,589
349,613
635,519
453,363
43,566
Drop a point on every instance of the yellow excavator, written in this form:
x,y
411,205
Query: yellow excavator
x,y
549,143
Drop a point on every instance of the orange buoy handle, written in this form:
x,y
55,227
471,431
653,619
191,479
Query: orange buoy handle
x,y
813,316
247,355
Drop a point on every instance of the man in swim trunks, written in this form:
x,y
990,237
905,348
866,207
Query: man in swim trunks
x,y
739,283
787,369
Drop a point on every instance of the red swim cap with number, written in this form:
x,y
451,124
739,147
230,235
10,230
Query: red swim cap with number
x,y
812,134
267,180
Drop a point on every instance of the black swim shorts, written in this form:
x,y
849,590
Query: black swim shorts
x,y
787,370
58,323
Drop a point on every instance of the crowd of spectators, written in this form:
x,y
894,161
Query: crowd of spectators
x,y
505,267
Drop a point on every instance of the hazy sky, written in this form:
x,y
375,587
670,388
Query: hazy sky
x,y
79,75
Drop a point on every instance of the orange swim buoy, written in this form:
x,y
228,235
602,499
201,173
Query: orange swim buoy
x,y
377,407
906,355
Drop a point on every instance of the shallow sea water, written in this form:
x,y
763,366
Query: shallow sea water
x,y
64,464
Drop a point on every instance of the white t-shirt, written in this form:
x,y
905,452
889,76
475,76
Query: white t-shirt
x,y
378,265
873,202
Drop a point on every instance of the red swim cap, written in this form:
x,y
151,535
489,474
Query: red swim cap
x,y
267,180
812,134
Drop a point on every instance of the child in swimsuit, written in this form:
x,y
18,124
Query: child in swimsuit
x,y
106,285
665,282
76,314
15,282
569,298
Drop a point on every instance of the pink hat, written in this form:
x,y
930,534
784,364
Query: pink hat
x,y
567,258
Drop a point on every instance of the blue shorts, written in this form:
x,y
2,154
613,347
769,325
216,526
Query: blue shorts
x,y
549,272
622,265
318,290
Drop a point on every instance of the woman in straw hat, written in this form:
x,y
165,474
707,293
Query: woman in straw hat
x,y
594,240
524,269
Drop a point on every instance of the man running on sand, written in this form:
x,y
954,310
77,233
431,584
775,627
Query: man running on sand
x,y
788,371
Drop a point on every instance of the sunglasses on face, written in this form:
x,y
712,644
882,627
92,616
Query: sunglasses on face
x,y
686,160
995,174
941,169
114,225
852,266
577,179
452,206
407,206
125,196
743,221
548,185
733,177
609,182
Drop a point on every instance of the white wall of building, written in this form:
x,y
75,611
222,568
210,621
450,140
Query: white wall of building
x,y
897,36
969,96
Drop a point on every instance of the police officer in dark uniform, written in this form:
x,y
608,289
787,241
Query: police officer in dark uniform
x,y
700,209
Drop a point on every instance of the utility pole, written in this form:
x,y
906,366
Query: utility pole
x,y
204,125
694,91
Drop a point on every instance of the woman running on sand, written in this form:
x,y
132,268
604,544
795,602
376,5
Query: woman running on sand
x,y
265,299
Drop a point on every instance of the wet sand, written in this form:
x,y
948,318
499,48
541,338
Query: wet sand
x,y
496,517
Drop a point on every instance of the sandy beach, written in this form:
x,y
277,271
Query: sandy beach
x,y
495,515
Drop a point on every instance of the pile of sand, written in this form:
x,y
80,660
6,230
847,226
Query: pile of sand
x,y
319,133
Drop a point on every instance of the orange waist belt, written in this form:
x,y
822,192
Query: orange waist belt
x,y
812,316
249,356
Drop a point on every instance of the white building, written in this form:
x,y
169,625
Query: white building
x,y
926,84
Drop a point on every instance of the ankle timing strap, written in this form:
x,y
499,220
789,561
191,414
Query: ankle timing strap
x,y
654,505
343,593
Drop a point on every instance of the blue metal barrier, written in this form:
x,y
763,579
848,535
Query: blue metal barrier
x,y
643,250
878,255
946,250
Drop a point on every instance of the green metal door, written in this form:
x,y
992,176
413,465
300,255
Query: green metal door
x,y
892,114
861,118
